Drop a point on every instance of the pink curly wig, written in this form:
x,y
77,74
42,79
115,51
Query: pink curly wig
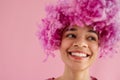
x,y
101,15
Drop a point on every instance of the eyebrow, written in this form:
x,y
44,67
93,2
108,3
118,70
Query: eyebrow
x,y
92,31
71,29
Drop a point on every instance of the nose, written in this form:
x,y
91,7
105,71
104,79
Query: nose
x,y
82,43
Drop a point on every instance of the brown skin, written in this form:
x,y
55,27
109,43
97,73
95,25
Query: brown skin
x,y
78,40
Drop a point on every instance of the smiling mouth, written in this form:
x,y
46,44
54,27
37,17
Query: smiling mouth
x,y
78,55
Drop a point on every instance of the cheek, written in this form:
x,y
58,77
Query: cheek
x,y
65,44
63,49
94,47
94,50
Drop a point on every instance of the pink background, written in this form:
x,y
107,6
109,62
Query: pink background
x,y
20,53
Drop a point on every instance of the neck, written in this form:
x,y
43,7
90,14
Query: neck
x,y
75,74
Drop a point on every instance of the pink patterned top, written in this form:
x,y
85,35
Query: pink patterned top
x,y
92,78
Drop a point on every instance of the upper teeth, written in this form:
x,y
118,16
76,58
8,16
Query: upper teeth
x,y
79,54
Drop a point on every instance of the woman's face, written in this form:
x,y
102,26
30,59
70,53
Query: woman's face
x,y
79,47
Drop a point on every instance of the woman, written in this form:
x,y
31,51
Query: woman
x,y
80,30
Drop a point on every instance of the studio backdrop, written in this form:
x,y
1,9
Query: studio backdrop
x,y
21,56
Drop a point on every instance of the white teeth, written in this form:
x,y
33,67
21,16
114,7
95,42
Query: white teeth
x,y
79,54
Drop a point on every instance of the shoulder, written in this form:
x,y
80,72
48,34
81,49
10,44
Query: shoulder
x,y
93,78
51,78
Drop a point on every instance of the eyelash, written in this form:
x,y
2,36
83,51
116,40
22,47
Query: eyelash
x,y
91,38
71,36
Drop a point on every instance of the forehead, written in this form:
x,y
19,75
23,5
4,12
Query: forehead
x,y
77,28
86,29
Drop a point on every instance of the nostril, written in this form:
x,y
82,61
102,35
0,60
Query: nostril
x,y
80,44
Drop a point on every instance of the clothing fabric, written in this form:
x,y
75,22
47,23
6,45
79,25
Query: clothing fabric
x,y
92,78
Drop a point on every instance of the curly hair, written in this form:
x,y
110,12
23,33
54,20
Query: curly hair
x,y
101,15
